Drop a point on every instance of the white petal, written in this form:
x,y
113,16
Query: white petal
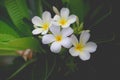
x,y
73,52
44,32
46,16
66,25
55,47
37,21
84,37
67,31
55,29
74,40
84,56
56,17
48,38
37,31
91,47
66,42
64,12
55,23
71,19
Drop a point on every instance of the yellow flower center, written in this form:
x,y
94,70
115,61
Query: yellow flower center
x,y
58,38
79,47
45,26
63,21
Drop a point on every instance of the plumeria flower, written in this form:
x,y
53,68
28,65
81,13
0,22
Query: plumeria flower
x,y
82,48
63,19
42,25
58,38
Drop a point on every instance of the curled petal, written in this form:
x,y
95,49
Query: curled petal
x,y
64,12
37,31
55,47
37,21
73,52
48,38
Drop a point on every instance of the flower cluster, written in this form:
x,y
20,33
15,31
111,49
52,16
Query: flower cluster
x,y
58,32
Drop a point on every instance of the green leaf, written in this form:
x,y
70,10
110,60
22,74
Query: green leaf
x,y
78,7
17,10
6,29
39,7
8,53
21,44
6,37
65,1
24,43
6,46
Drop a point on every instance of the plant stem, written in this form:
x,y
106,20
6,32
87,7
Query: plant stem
x,y
51,69
22,67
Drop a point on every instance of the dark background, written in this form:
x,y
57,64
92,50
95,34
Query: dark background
x,y
105,62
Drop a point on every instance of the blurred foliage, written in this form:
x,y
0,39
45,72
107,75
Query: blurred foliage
x,y
18,11
78,7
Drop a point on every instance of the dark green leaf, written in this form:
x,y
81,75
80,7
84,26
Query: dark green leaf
x,y
6,29
78,7
18,11
6,37
39,7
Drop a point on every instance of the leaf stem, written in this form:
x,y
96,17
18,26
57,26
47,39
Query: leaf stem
x,y
21,68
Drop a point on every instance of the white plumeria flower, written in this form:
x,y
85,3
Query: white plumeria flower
x,y
63,19
42,25
58,38
82,48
